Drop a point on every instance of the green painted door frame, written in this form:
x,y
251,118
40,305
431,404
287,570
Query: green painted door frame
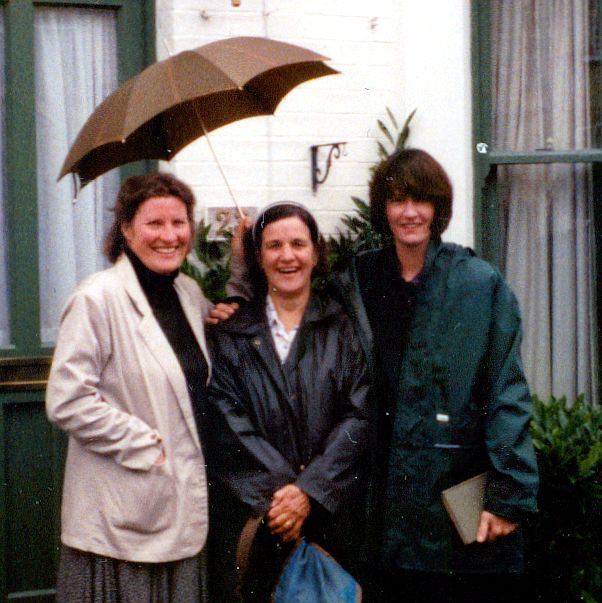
x,y
31,450
135,34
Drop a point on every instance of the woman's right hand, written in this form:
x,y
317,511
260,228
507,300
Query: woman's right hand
x,y
238,250
221,311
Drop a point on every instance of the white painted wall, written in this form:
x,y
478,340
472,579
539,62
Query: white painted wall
x,y
403,54
435,66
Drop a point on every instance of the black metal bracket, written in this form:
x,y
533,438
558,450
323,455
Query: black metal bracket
x,y
316,173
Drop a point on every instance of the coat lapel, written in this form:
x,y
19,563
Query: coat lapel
x,y
194,316
346,289
151,333
250,321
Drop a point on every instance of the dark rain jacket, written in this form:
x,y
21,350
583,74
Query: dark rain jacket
x,y
303,422
461,361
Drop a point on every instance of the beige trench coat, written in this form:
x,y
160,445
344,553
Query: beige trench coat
x,y
117,389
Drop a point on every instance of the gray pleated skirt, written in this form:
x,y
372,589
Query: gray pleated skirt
x,y
89,578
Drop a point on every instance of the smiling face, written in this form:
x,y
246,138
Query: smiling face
x,y
410,222
287,257
159,233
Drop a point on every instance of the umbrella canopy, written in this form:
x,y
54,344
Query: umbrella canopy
x,y
173,102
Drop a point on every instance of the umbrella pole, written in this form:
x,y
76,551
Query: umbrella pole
x,y
206,134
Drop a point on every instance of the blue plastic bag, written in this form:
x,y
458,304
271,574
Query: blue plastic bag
x,y
311,575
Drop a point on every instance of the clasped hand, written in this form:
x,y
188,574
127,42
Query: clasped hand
x,y
288,511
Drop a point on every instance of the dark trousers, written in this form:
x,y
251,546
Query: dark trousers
x,y
429,587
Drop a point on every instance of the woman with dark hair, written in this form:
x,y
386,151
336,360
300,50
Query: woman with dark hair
x,y
442,331
411,173
127,383
287,403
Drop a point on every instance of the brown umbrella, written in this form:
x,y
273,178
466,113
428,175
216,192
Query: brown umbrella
x,y
173,102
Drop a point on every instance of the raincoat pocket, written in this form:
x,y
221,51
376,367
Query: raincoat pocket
x,y
144,501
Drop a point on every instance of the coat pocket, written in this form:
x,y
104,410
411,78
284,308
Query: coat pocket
x,y
143,501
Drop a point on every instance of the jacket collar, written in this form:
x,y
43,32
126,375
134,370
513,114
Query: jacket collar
x,y
431,253
127,274
250,319
393,267
346,288
123,267
436,249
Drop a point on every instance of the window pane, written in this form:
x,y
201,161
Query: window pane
x,y
547,224
76,68
4,292
547,56
545,89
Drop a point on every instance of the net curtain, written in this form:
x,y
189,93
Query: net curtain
x,y
76,68
541,89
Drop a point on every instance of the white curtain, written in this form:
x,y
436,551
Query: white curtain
x,y
76,68
4,292
541,100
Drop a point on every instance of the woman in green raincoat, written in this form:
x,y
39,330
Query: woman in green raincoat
x,y
442,329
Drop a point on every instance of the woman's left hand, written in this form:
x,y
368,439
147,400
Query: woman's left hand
x,y
289,509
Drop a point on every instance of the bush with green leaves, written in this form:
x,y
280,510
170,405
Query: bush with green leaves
x,y
565,538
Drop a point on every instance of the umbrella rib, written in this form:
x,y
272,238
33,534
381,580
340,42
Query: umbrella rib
x,y
175,91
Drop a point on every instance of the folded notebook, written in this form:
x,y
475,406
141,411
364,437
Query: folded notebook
x,y
464,503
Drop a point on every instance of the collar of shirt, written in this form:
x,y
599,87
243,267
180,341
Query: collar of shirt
x,y
282,338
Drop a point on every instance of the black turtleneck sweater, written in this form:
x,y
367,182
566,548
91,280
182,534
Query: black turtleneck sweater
x,y
166,307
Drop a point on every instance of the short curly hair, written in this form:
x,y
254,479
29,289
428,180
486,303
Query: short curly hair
x,y
416,174
135,191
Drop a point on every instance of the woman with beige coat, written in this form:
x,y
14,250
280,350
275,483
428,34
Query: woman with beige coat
x,y
128,384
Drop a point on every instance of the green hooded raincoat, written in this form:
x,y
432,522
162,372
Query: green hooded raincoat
x,y
461,362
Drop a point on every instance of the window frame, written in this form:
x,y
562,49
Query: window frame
x,y
135,23
486,159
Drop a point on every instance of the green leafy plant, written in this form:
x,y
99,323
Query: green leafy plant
x,y
208,263
564,545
